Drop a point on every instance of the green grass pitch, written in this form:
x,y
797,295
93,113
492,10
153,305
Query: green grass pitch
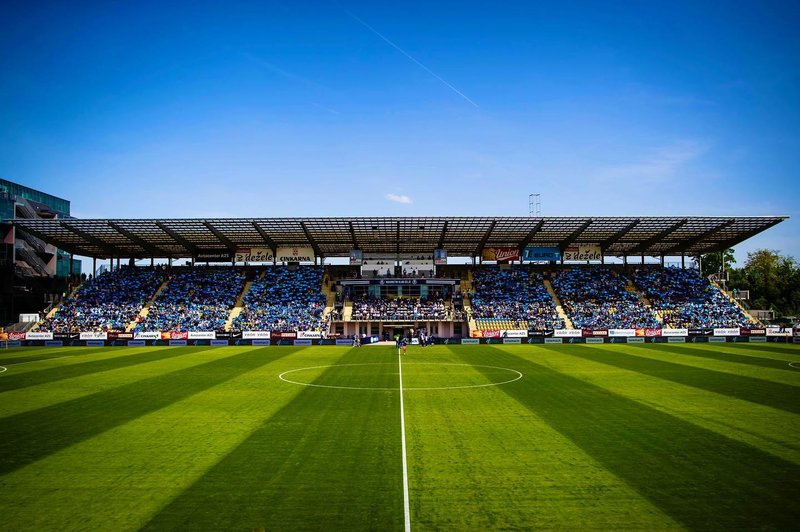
x,y
644,437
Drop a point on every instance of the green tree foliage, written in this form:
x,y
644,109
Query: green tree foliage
x,y
719,261
772,279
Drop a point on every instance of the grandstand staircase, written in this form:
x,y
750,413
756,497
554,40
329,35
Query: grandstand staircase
x,y
55,307
237,307
146,308
753,319
466,289
643,299
347,311
330,296
559,309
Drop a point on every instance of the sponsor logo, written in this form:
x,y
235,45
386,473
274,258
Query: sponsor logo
x,y
152,335
726,331
16,335
54,343
177,342
255,335
535,254
676,339
202,335
176,335
94,336
778,331
554,340
282,335
594,340
253,255
758,338
136,343
650,333
295,254
621,333
753,332
583,252
306,341
717,339
440,257
261,342
217,343
500,254
309,334
638,340
567,333
213,256
512,340
598,332
674,332
344,341
95,343
470,341
39,336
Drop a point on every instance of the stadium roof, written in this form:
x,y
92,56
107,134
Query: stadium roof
x,y
460,236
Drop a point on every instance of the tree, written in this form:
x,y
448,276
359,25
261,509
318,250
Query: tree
x,y
773,281
715,262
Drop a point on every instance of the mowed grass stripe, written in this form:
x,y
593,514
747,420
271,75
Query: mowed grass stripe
x,y
120,478
46,394
329,459
664,353
82,364
29,436
481,460
789,349
696,476
747,388
722,354
770,429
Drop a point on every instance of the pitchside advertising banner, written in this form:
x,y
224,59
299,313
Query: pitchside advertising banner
x,y
255,335
39,336
151,335
675,332
534,254
315,335
583,252
253,255
295,254
500,254
500,334
202,335
726,331
94,336
621,333
568,333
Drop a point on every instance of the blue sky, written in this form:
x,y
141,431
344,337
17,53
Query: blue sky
x,y
134,109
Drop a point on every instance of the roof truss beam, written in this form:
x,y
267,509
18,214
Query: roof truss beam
x,y
644,246
574,235
684,246
613,239
91,239
440,243
484,239
744,236
220,236
50,239
531,234
311,240
154,251
267,239
190,248
353,235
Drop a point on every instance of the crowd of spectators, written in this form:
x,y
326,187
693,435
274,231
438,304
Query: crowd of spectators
x,y
406,308
686,299
195,299
285,300
108,302
513,294
596,298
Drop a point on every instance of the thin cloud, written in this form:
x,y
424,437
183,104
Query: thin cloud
x,y
661,166
423,67
399,198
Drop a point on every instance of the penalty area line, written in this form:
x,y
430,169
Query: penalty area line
x,y
406,510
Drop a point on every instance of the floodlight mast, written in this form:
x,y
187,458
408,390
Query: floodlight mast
x,y
535,205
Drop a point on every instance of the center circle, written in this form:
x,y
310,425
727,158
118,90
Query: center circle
x,y
411,373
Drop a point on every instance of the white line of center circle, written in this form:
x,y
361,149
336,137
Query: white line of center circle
x,y
283,377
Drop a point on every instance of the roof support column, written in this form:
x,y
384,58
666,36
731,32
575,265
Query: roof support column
x,y
94,266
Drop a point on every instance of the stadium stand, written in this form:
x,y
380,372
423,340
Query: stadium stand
x,y
195,299
106,303
596,298
684,298
285,300
510,299
406,309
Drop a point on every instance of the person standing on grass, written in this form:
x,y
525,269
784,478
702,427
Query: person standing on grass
x,y
404,345
398,343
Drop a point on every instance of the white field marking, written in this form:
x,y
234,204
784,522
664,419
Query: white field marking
x,y
406,509
795,365
32,361
516,378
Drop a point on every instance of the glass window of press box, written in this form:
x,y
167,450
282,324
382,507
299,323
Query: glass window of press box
x,y
9,189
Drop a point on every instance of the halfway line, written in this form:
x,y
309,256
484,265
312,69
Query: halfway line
x,y
406,511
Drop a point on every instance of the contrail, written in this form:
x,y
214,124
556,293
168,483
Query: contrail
x,y
426,69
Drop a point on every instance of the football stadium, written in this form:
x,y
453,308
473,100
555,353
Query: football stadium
x,y
397,373
399,266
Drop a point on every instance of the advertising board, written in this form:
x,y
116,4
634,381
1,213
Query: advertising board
x,y
94,336
726,331
500,254
582,252
39,336
675,332
295,254
470,341
440,257
253,255
593,340
512,340
302,342
568,333
255,335
149,335
535,254
635,340
554,340
202,335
